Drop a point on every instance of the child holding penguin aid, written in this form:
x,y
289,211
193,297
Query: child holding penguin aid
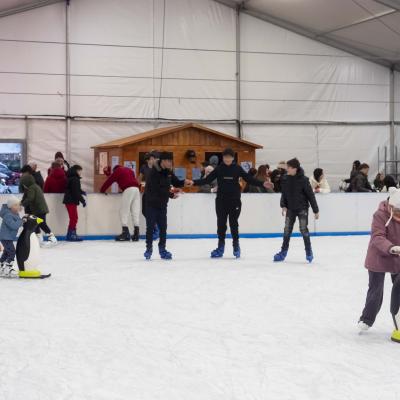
x,y
11,222
383,256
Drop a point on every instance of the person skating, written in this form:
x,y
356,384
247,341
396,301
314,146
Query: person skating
x,y
11,222
297,196
383,256
158,192
72,198
145,169
34,203
130,204
228,204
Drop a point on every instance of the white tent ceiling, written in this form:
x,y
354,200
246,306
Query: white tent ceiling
x,y
368,28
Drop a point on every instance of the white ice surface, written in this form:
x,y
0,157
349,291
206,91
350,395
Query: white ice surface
x,y
109,325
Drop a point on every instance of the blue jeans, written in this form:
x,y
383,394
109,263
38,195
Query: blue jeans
x,y
8,252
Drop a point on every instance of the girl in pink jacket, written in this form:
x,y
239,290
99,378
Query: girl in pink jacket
x,y
383,256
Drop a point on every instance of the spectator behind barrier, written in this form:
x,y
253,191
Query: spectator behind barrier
x,y
360,182
379,181
56,182
318,182
208,188
276,176
388,182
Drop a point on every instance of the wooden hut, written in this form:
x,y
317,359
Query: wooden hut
x,y
181,140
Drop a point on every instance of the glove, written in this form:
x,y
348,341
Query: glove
x,y
83,203
395,250
83,193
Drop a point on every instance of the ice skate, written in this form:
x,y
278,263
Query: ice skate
x,y
148,253
165,254
236,251
135,236
362,326
218,252
279,257
9,271
309,256
124,236
51,240
72,236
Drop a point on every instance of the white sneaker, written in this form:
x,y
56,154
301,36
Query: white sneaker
x,y
362,326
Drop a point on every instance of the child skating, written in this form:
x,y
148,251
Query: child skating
x,y
297,196
11,222
228,204
383,256
72,198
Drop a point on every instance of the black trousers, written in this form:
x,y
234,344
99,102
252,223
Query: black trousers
x,y
290,220
156,216
374,299
228,209
43,226
8,252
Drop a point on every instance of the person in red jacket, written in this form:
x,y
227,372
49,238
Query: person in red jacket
x,y
130,206
56,182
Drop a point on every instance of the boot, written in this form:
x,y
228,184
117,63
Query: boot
x,y
309,256
279,257
148,253
73,237
165,254
236,250
124,236
218,252
135,236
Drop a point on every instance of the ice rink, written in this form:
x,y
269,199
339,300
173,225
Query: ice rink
x,y
110,326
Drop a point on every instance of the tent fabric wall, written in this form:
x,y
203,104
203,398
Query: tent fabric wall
x,y
176,60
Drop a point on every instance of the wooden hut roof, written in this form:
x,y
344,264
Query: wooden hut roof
x,y
170,129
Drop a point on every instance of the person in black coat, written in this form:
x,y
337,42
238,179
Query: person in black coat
x,y
72,198
157,194
360,182
297,196
228,203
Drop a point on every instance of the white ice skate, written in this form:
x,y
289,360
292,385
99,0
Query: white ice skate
x,y
8,271
51,241
362,326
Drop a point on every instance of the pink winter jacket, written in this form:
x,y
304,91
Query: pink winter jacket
x,y
382,240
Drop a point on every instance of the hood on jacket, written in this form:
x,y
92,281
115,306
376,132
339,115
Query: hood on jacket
x,y
57,173
72,172
27,180
384,207
4,210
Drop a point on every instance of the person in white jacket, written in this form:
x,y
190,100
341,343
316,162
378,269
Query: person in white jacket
x,y
318,182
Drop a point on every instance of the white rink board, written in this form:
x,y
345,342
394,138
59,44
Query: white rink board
x,y
194,214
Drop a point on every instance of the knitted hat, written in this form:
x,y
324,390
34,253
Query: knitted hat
x,y
12,201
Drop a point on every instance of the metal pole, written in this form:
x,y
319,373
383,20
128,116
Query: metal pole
x,y
391,117
238,95
67,85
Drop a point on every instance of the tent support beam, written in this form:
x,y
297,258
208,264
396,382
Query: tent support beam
x,y
28,7
392,142
311,35
238,94
67,85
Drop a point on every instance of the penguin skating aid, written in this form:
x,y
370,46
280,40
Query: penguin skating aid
x,y
28,251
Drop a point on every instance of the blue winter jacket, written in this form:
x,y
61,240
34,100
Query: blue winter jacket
x,y
10,224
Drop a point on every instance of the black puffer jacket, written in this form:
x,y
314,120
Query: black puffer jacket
x,y
297,193
73,192
158,186
227,177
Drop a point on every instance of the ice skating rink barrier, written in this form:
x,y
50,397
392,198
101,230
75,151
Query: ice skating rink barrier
x,y
193,215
